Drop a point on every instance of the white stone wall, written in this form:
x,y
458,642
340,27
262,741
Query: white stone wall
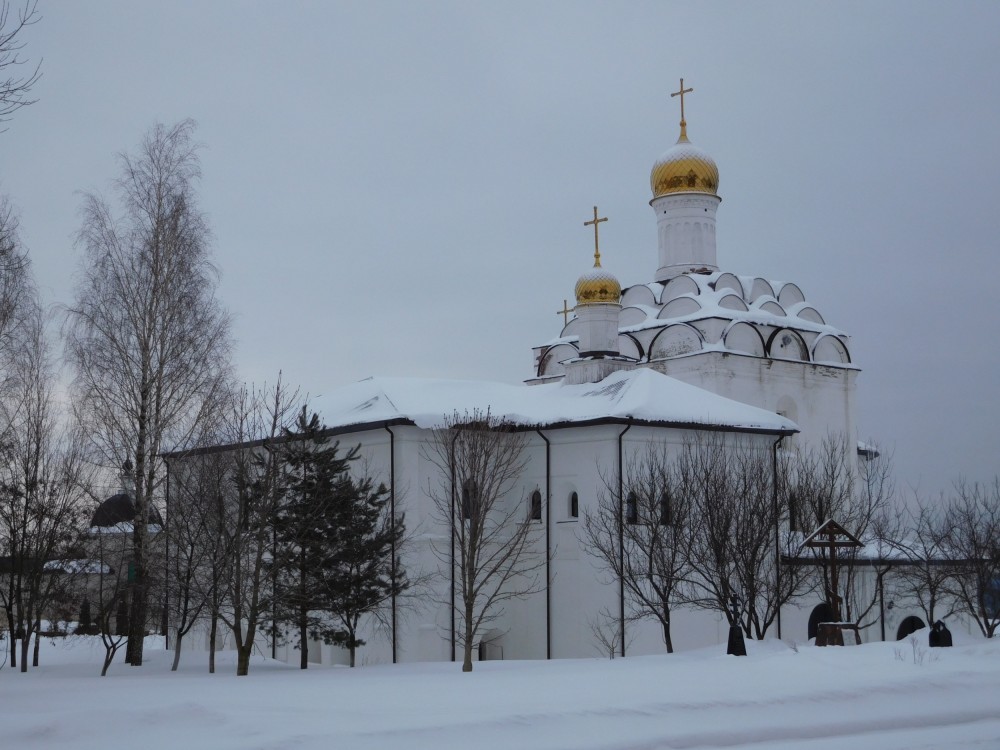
x,y
598,326
818,398
685,226
585,461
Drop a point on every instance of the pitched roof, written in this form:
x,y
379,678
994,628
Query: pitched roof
x,y
641,395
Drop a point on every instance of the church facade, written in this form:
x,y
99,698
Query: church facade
x,y
697,350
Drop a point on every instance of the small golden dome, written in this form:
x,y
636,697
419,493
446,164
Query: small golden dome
x,y
598,286
684,168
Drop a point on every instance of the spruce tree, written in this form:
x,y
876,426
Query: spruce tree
x,y
336,543
305,533
366,572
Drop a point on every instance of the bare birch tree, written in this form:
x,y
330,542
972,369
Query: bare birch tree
x,y
736,525
146,336
18,308
43,480
924,548
824,483
491,556
191,544
17,301
201,506
246,528
972,521
642,538
112,547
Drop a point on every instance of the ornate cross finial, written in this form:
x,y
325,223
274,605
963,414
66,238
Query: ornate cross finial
x,y
681,95
565,312
597,249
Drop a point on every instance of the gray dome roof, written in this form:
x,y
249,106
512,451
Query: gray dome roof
x,y
118,509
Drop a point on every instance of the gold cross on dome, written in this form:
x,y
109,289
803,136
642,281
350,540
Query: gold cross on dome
x,y
681,95
597,249
565,312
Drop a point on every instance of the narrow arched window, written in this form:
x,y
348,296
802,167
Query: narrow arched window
x,y
574,506
470,499
666,512
536,506
794,513
631,509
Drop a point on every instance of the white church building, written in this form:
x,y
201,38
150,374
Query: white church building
x,y
696,349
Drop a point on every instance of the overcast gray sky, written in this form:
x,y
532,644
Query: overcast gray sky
x,y
399,188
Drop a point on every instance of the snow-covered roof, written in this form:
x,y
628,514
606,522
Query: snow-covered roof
x,y
690,301
77,566
719,295
643,395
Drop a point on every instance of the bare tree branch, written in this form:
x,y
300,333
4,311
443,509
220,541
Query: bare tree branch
x,y
15,90
257,421
146,336
923,546
737,515
972,521
823,484
643,539
491,542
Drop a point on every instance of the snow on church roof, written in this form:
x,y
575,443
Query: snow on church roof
x,y
698,312
642,394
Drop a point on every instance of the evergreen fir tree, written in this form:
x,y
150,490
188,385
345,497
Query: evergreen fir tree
x,y
336,544
305,533
366,573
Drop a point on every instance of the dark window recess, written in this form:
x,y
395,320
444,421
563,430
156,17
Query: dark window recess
x,y
991,598
666,512
574,506
794,513
536,506
631,509
470,499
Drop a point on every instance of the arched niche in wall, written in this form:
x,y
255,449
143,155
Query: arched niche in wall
x,y
629,347
829,348
675,340
743,337
761,288
731,282
640,294
787,344
676,308
570,329
806,311
553,356
677,286
631,316
790,294
732,302
771,307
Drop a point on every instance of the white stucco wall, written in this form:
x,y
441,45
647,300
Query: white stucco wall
x,y
685,226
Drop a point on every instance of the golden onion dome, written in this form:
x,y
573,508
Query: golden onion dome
x,y
684,168
598,286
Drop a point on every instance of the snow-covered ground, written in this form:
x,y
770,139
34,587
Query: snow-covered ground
x,y
881,695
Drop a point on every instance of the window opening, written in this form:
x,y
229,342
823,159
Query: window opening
x,y
470,499
666,515
536,506
631,509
